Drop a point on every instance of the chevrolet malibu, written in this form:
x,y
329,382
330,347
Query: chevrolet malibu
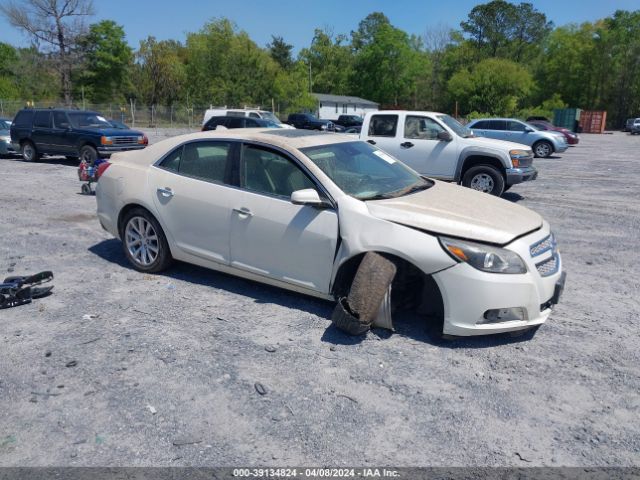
x,y
326,215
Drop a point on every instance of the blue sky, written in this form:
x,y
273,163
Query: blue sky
x,y
296,20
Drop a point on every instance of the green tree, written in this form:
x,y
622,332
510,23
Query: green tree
x,y
280,51
8,60
159,73
331,62
108,59
494,86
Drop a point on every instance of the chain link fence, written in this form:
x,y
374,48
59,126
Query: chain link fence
x,y
132,114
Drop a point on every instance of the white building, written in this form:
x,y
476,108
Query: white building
x,y
330,107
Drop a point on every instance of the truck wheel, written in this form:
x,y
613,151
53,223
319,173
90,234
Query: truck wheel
x,y
88,154
29,152
542,149
484,178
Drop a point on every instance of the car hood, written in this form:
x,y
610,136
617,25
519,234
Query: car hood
x,y
493,143
459,212
111,132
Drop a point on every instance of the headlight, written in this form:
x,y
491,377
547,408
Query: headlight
x,y
483,257
5,139
517,155
323,127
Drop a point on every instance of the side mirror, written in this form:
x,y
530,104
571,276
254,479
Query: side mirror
x,y
529,130
308,196
445,136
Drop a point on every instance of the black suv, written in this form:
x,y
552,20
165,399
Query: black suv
x,y
72,133
231,121
310,122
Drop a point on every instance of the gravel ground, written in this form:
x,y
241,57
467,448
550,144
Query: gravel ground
x,y
168,367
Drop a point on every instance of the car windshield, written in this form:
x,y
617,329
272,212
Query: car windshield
x,y
270,116
537,128
88,120
4,125
456,126
365,172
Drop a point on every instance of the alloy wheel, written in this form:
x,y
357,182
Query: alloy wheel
x,y
142,241
482,182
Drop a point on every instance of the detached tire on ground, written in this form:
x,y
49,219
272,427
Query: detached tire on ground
x,y
355,314
484,178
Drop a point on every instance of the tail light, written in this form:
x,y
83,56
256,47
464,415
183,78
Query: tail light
x,y
102,168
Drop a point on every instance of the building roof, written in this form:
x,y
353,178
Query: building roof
x,y
326,97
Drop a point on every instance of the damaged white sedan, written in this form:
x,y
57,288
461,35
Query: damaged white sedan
x,y
324,215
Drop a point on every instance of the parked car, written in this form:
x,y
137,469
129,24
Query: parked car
x,y
238,122
438,146
535,118
635,127
571,137
308,121
543,143
347,121
628,124
242,112
6,148
313,212
74,133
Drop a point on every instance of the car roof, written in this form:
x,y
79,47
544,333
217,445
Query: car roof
x,y
498,118
408,112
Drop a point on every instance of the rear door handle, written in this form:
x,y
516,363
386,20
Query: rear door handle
x,y
372,142
243,211
165,192
406,145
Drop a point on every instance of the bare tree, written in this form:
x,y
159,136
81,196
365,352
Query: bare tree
x,y
55,26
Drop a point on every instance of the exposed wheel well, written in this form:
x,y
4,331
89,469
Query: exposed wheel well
x,y
474,160
412,289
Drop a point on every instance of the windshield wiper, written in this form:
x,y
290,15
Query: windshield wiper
x,y
378,196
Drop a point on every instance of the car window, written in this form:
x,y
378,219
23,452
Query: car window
x,y
515,126
480,125
213,122
88,120
496,125
254,115
235,122
421,128
24,118
204,160
4,125
383,125
266,171
60,120
42,119
251,123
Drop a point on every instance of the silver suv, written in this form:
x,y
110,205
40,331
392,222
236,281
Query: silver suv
x,y
543,143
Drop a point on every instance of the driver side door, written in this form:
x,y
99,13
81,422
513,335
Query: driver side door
x,y
272,237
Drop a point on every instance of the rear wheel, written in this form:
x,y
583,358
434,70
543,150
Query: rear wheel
x,y
542,149
144,242
29,152
88,154
484,178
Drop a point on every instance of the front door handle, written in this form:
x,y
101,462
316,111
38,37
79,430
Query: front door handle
x,y
372,142
166,192
243,212
406,145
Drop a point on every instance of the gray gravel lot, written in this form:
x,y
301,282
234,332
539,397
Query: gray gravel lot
x,y
167,365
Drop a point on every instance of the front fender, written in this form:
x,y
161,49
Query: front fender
x,y
480,151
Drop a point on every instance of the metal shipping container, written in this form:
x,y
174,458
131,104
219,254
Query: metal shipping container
x,y
593,121
567,118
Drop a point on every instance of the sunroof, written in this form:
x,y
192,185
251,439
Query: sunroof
x,y
293,133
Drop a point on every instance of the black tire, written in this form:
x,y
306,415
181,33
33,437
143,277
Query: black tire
x,y
162,259
86,189
542,149
88,154
369,286
29,152
484,178
345,321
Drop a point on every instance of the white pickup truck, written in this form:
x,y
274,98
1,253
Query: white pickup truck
x,y
437,145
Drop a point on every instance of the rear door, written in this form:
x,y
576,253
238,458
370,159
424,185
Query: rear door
x,y
272,237
517,132
491,129
42,132
192,195
383,132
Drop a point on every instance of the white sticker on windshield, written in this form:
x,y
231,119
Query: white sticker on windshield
x,y
387,158
102,119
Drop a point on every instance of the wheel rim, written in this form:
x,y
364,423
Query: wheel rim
x,y
543,150
27,152
142,241
86,156
482,182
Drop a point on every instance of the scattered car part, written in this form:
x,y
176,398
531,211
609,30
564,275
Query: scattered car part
x,y
16,291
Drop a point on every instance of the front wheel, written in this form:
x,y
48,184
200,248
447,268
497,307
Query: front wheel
x,y
144,242
542,149
29,152
484,178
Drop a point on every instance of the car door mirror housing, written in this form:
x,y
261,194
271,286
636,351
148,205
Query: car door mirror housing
x,y
445,136
308,196
529,130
